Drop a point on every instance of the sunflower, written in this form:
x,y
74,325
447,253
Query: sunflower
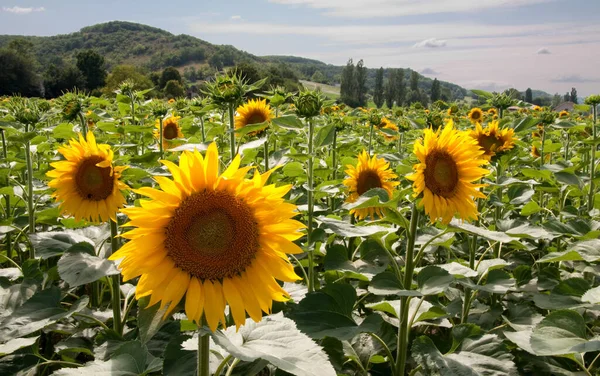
x,y
475,115
536,108
87,185
563,114
171,130
492,111
255,111
217,239
171,101
449,163
493,140
386,124
369,173
535,152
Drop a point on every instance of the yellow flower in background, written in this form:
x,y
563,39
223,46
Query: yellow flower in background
x,y
211,239
449,163
536,108
369,173
387,124
171,130
475,115
492,111
171,101
493,140
255,111
86,183
563,114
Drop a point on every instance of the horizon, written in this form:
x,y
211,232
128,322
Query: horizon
x,y
491,45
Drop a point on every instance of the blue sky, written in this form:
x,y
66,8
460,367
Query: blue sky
x,y
551,45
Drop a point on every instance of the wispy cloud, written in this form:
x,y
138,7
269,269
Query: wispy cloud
x,y
428,71
395,8
236,18
575,79
21,10
543,51
489,85
430,43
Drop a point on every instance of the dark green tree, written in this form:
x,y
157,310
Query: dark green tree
x,y
249,71
567,97
122,73
319,77
347,84
169,74
414,81
556,99
360,93
17,74
391,88
61,78
528,95
573,95
174,89
435,90
91,65
400,91
513,93
378,91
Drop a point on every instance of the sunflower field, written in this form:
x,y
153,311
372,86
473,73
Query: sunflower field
x,y
249,232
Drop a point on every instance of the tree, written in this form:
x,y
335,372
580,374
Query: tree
x,y
528,95
169,74
414,81
360,89
567,97
573,95
249,71
61,78
174,89
91,65
121,73
513,93
400,91
17,75
378,92
435,90
556,99
347,84
319,77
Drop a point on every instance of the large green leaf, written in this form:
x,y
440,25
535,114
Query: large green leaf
x,y
150,319
432,280
558,333
588,250
80,268
50,244
277,340
484,233
346,229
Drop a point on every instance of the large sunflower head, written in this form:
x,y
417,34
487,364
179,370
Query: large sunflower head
x,y
255,111
475,115
216,238
171,130
387,124
86,183
449,164
493,140
369,173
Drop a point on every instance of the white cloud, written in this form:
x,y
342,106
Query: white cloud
x,y
430,43
395,8
236,18
429,71
575,79
543,51
20,10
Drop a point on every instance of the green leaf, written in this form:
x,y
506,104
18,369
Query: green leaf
x,y
484,233
241,132
588,250
342,228
525,124
324,136
16,344
482,93
530,208
288,122
373,198
150,319
558,333
592,295
277,340
50,244
293,169
80,268
433,280
568,178
64,131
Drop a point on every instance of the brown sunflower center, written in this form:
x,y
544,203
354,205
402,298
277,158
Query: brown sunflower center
x,y
489,142
170,131
256,117
475,115
93,182
367,180
212,235
441,173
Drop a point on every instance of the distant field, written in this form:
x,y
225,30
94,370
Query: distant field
x,y
330,91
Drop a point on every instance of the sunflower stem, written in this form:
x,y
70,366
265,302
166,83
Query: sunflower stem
x,y
404,325
30,210
472,258
232,129
370,138
498,211
203,351
161,137
592,162
266,151
83,125
132,98
6,197
202,129
334,154
115,281
4,148
542,147
311,265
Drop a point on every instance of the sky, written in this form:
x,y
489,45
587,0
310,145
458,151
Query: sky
x,y
550,45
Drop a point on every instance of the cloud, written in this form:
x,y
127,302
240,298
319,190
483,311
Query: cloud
x,y
430,43
20,10
429,71
396,8
488,85
236,18
575,79
543,51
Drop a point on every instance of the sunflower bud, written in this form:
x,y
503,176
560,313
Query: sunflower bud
x,y
71,106
548,117
501,101
308,104
375,119
226,89
159,110
25,110
593,100
126,88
